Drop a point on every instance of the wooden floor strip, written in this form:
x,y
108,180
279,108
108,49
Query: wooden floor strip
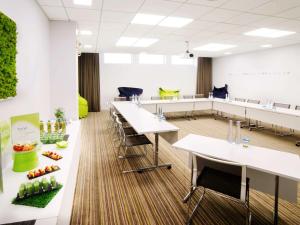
x,y
106,196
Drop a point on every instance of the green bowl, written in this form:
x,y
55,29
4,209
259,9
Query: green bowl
x,y
25,161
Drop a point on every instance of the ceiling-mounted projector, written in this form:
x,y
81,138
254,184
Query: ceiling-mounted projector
x,y
188,54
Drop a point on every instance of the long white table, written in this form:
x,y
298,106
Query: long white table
x,y
263,165
59,210
144,122
289,118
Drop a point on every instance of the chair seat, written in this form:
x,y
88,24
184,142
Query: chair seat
x,y
122,120
221,182
129,131
137,140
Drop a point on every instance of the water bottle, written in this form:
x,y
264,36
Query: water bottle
x,y
238,132
229,134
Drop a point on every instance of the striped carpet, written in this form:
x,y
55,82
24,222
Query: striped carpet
x,y
105,196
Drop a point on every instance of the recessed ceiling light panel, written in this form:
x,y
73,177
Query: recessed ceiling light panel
x,y
87,46
126,41
266,46
83,2
214,47
269,33
175,22
145,42
147,19
85,32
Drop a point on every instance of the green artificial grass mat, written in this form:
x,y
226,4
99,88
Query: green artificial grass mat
x,y
38,201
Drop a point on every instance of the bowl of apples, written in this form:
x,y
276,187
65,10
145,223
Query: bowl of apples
x,y
25,157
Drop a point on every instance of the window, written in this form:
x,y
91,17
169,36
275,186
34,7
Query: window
x,y
117,58
151,59
179,60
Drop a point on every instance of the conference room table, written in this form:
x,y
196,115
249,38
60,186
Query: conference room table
x,y
288,118
265,166
144,122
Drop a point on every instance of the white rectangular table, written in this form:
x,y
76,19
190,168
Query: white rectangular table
x,y
144,122
280,165
288,118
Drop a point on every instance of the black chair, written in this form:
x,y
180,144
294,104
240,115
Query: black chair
x,y
257,125
225,178
129,141
155,97
281,132
120,99
240,99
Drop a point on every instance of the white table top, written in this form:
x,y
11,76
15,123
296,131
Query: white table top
x,y
291,112
174,101
13,213
141,120
266,160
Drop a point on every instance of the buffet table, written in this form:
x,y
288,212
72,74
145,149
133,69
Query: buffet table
x,y
59,210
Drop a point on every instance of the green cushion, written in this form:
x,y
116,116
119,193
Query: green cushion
x,y
168,93
82,107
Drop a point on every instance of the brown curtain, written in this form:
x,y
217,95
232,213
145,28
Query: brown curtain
x,y
204,76
89,79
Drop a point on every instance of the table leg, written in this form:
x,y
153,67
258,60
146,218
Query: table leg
x,y
192,189
276,200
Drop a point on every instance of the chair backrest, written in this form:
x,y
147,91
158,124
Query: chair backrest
x,y
240,99
297,107
188,96
120,129
167,97
118,99
282,105
199,95
155,97
200,161
253,101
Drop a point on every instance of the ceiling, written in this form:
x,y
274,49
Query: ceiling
x,y
215,21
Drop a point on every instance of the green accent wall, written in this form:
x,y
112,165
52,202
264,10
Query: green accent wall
x,y
8,52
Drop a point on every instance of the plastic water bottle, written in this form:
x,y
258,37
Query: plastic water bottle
x,y
229,134
238,132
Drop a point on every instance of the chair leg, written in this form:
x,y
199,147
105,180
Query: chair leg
x,y
189,218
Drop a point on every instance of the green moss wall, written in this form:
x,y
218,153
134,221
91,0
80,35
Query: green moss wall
x,y
8,51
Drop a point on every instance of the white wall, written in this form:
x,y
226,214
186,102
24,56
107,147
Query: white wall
x,y
147,77
32,59
272,74
64,76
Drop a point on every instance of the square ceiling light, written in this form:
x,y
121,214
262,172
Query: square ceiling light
x,y
176,22
147,19
214,47
126,41
136,42
82,2
85,32
269,33
145,42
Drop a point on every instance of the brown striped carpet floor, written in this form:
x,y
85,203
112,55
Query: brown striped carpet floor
x,y
106,196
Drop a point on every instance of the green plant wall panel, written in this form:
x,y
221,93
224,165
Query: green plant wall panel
x,y
8,52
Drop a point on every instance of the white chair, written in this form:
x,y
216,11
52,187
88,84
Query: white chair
x,y
225,178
